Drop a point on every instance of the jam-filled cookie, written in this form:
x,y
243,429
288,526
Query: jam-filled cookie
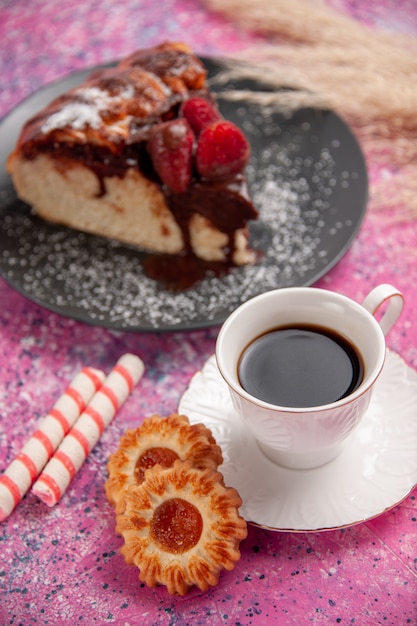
x,y
181,527
159,440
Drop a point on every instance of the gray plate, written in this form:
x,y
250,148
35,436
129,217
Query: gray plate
x,y
307,177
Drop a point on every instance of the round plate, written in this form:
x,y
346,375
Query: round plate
x,y
376,469
307,177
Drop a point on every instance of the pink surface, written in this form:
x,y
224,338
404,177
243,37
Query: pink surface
x,y
61,565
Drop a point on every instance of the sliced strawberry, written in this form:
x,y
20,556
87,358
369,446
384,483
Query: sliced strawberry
x,y
222,151
199,113
171,149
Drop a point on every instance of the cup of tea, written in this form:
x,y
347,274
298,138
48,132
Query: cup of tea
x,y
301,364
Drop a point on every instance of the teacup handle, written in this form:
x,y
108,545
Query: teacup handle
x,y
394,300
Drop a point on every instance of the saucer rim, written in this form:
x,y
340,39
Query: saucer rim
x,y
325,528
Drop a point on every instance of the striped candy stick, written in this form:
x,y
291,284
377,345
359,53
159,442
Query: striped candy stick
x,y
25,468
82,438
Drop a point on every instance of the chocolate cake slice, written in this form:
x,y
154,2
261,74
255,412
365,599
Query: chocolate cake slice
x,y
140,153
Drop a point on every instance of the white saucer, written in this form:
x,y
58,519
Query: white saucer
x,y
376,470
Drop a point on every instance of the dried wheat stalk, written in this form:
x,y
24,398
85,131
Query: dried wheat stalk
x,y
367,76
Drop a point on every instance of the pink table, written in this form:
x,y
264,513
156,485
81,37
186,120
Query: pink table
x,y
61,565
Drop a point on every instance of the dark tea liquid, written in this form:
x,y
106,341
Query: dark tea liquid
x,y
300,367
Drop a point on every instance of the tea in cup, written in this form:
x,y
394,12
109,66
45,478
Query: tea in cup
x,y
301,364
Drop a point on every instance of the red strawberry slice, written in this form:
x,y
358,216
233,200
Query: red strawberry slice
x,y
171,149
222,151
199,113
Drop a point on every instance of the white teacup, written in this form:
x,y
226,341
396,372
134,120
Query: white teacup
x,y
306,437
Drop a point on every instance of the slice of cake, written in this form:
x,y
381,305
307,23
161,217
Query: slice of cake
x,y
140,153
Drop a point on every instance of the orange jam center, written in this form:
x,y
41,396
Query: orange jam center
x,y
176,525
153,456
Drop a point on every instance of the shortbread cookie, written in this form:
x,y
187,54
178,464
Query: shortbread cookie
x,y
159,440
181,527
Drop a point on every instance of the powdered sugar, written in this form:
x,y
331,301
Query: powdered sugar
x,y
77,115
86,109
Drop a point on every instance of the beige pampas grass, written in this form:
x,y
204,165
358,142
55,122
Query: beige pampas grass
x,y
367,76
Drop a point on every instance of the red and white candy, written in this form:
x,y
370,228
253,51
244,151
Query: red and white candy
x,y
82,438
25,468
